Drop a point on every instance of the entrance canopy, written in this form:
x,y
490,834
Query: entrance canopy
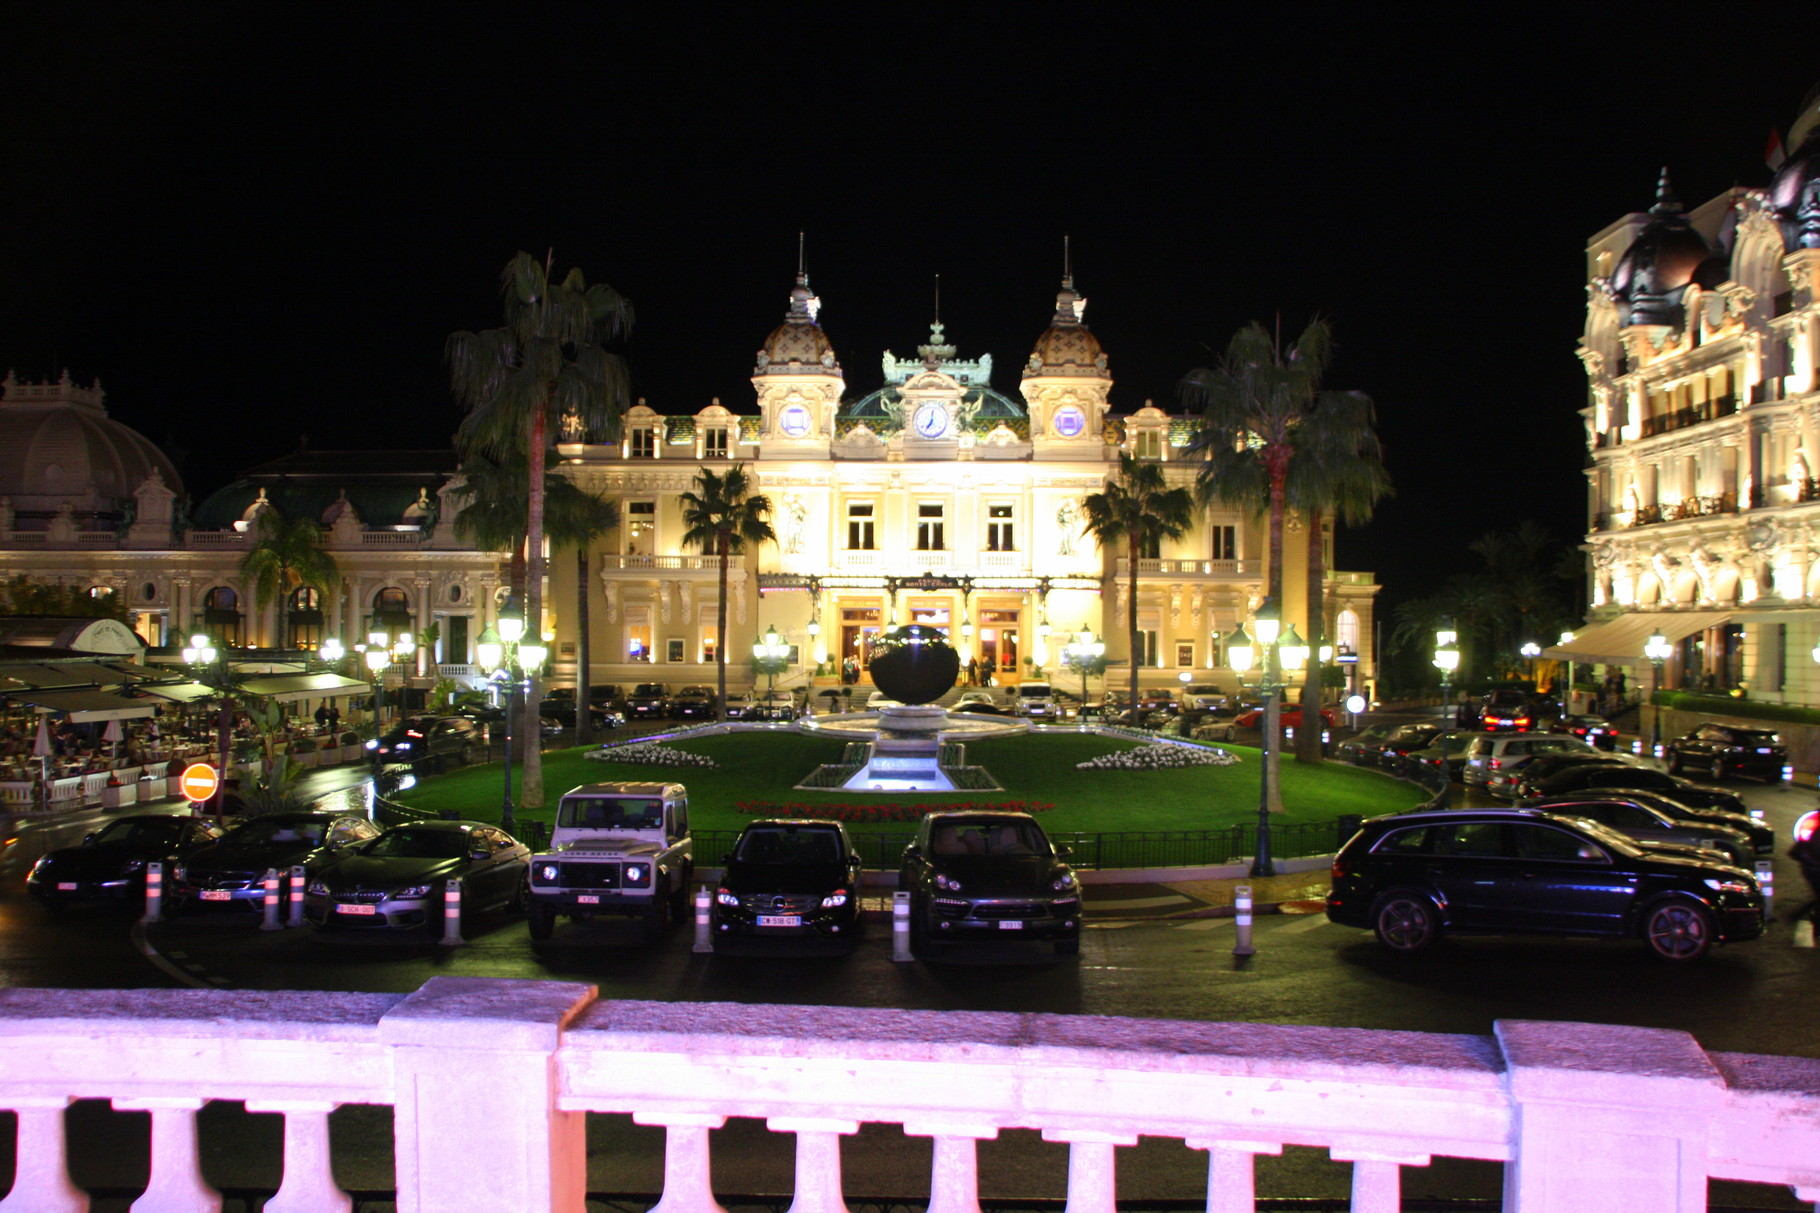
x,y
1620,641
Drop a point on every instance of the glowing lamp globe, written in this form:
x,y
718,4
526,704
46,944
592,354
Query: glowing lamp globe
x,y
914,663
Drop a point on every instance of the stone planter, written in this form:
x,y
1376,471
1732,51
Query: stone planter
x,y
119,795
306,757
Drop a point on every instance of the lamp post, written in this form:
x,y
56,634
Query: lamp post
x,y
1658,650
770,654
203,653
383,649
1082,653
1282,652
1446,660
506,657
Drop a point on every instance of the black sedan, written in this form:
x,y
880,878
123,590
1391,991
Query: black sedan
x,y
110,864
1595,731
1645,823
1719,750
789,879
1410,737
399,879
1608,775
1362,748
980,875
230,871
693,703
1762,838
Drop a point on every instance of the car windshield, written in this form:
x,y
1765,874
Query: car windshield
x,y
1033,691
987,838
137,830
262,830
411,843
789,845
1201,690
604,813
648,688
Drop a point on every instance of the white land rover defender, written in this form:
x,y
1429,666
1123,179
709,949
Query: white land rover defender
x,y
618,848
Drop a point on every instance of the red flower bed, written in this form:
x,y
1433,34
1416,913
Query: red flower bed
x,y
879,814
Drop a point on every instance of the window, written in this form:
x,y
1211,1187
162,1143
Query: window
x,y
930,527
1225,542
860,534
643,443
714,443
1150,547
1000,536
641,528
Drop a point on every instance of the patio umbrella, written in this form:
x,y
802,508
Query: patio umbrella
x,y
111,735
42,748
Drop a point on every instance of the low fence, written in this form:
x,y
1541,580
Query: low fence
x,y
491,1084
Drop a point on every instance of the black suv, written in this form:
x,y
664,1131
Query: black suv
x,y
693,703
648,701
1719,750
1412,876
789,879
431,741
976,874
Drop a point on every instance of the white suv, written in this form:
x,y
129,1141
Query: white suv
x,y
1036,700
1489,753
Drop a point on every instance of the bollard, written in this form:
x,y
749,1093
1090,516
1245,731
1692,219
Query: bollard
x,y
704,941
298,882
154,893
900,928
1241,904
1766,880
270,880
451,916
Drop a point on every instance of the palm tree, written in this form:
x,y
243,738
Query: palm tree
x,y
1139,509
523,382
577,518
286,553
724,514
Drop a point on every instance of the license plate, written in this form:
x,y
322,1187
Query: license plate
x,y
1010,924
779,920
220,895
587,899
66,886
356,909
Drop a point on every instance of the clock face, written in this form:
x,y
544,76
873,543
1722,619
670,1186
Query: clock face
x,y
1070,421
794,421
931,420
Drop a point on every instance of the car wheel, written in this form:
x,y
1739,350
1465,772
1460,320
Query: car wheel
x,y
657,918
1678,930
521,896
1405,922
1674,762
1717,770
541,921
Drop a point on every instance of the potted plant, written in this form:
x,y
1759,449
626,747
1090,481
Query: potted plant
x,y
118,793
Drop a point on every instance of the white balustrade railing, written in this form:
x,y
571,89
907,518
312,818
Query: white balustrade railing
x,y
1192,568
611,561
1583,1117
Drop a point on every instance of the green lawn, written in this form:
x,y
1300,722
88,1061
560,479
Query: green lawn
x,y
1037,767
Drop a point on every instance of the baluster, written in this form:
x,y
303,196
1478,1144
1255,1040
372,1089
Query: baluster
x,y
177,1185
954,1184
688,1179
1377,1178
309,1177
818,1182
41,1178
1232,1171
1092,1179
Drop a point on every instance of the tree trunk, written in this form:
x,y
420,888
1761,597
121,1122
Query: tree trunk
x,y
1131,629
1308,737
722,544
531,795
1277,462
584,723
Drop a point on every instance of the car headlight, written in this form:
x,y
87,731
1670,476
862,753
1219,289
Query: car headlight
x,y
44,861
403,745
945,881
726,899
834,899
1064,881
180,872
413,890
373,744
637,873
544,873
132,865
318,888
1728,886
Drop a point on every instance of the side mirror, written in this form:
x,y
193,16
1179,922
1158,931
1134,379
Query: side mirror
x,y
913,852
1064,852
726,859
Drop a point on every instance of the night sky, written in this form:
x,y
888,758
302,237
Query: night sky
x,y
255,223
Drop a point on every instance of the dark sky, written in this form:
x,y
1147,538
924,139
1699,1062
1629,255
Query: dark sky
x,y
259,222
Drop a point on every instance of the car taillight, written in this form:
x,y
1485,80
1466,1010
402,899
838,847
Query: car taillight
x,y
1496,763
1341,868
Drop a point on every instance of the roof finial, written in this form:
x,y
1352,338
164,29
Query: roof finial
x,y
802,271
938,300
1067,264
1666,202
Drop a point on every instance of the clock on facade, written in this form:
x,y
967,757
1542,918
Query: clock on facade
x,y
931,420
1070,421
794,421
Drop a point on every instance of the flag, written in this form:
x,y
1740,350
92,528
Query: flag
x,y
1774,154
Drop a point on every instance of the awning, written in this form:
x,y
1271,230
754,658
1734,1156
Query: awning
x,y
176,692
287,688
85,706
1620,641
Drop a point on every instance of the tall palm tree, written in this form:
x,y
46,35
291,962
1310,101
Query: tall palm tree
x,y
576,520
1138,509
286,553
724,514
521,383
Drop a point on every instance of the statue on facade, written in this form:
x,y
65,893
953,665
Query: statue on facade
x,y
1067,517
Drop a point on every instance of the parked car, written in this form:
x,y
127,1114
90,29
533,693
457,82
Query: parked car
x,y
426,741
878,699
481,713
110,863
975,707
648,701
1595,731
1410,737
1491,751
693,703
1507,711
1290,717
1155,700
1608,775
1036,701
772,705
561,710
1634,818
1413,877
1209,725
1762,837
976,874
1205,696
1448,750
1720,750
229,872
1362,748
1541,766
398,881
976,695
617,848
789,879
739,705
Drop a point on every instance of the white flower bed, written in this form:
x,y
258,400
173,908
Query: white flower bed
x,y
1158,756
650,754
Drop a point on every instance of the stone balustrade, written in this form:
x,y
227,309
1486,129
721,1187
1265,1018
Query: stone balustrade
x,y
1622,1120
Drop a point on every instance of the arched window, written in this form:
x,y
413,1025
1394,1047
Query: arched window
x,y
1346,631
392,611
221,612
305,608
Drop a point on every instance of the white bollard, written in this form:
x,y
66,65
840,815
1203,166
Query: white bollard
x,y
1241,904
900,928
1766,880
298,882
451,916
154,893
271,922
704,940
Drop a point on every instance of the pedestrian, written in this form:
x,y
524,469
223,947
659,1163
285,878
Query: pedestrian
x,y
973,671
334,718
322,715
1806,852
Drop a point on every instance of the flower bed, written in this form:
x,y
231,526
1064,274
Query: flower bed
x,y
1158,756
650,754
878,814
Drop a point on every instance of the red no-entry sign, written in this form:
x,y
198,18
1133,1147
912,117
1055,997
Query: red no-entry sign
x,y
199,782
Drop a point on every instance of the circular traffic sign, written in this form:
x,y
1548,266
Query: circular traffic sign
x,y
199,782
1805,825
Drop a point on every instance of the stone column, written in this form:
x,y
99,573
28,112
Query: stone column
x,y
1377,1178
176,1185
1092,1176
41,1178
818,1181
688,1174
309,1179
1232,1172
954,1184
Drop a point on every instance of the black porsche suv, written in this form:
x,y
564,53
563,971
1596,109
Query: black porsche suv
x,y
978,874
648,701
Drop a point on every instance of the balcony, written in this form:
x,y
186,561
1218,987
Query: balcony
x,y
710,563
490,1083
1680,419
1192,568
1670,511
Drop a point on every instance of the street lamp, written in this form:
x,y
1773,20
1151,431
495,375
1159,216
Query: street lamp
x,y
1658,650
506,657
770,654
383,649
1282,652
1446,660
1082,653
202,652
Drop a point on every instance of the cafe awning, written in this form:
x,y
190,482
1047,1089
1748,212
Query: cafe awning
x,y
176,692
83,707
287,688
1620,641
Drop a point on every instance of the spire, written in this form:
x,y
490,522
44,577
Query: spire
x,y
804,306
1067,265
802,266
1666,202
938,350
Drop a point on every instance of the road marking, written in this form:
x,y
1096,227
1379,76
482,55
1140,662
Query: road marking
x,y
1091,925
164,966
1139,903
1303,925
1204,924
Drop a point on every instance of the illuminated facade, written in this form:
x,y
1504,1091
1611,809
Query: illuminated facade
x,y
1701,345
932,498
